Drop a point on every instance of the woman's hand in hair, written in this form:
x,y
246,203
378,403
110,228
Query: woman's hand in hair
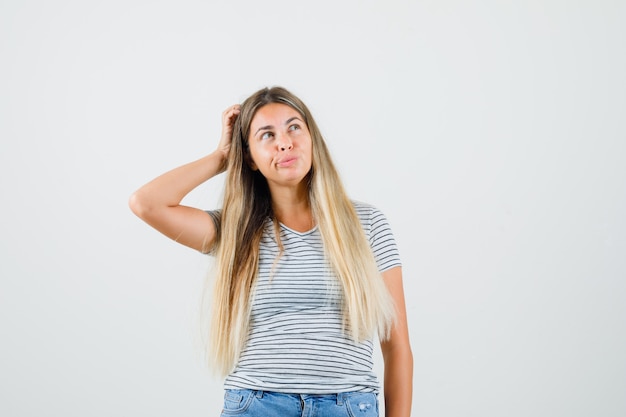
x,y
228,121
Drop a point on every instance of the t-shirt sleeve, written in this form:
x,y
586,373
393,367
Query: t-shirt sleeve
x,y
216,216
380,237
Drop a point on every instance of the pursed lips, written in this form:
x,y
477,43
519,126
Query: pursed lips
x,y
286,161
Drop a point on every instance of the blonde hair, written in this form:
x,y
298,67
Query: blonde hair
x,y
367,305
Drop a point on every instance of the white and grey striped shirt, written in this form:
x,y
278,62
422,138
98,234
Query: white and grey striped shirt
x,y
296,343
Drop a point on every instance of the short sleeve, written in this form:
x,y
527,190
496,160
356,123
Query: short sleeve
x,y
380,236
216,216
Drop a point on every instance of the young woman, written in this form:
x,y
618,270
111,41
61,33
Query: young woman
x,y
305,277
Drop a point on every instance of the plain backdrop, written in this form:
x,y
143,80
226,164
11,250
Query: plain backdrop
x,y
491,133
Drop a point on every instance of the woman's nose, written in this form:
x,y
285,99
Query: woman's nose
x,y
284,143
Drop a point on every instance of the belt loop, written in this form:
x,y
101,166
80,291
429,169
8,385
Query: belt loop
x,y
340,399
259,394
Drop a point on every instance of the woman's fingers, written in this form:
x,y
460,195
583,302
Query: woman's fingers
x,y
228,120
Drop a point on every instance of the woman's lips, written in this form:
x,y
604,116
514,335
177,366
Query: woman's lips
x,y
286,162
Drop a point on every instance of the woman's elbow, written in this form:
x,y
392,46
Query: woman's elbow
x,y
138,205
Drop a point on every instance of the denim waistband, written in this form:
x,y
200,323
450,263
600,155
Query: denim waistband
x,y
339,397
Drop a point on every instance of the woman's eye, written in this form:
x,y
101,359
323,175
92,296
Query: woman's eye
x,y
266,135
294,127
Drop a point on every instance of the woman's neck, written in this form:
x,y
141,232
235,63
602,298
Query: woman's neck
x,y
293,211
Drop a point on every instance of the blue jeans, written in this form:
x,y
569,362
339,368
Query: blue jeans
x,y
253,403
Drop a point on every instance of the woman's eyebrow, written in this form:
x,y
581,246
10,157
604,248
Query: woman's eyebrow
x,y
292,119
268,127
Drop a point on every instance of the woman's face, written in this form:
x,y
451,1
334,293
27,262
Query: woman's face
x,y
280,145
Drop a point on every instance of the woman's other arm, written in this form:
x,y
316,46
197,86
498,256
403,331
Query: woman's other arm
x,y
397,354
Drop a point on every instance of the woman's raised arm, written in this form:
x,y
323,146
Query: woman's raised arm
x,y
158,202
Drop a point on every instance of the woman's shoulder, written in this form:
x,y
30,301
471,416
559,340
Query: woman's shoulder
x,y
368,213
377,229
364,209
361,205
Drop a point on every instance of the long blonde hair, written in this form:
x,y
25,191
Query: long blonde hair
x,y
367,306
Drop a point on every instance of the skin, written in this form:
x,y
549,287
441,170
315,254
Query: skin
x,y
281,149
397,354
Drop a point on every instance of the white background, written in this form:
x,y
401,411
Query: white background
x,y
491,133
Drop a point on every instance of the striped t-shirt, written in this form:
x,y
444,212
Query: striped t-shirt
x,y
296,343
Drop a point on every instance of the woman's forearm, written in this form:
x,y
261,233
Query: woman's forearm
x,y
168,189
397,353
398,381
